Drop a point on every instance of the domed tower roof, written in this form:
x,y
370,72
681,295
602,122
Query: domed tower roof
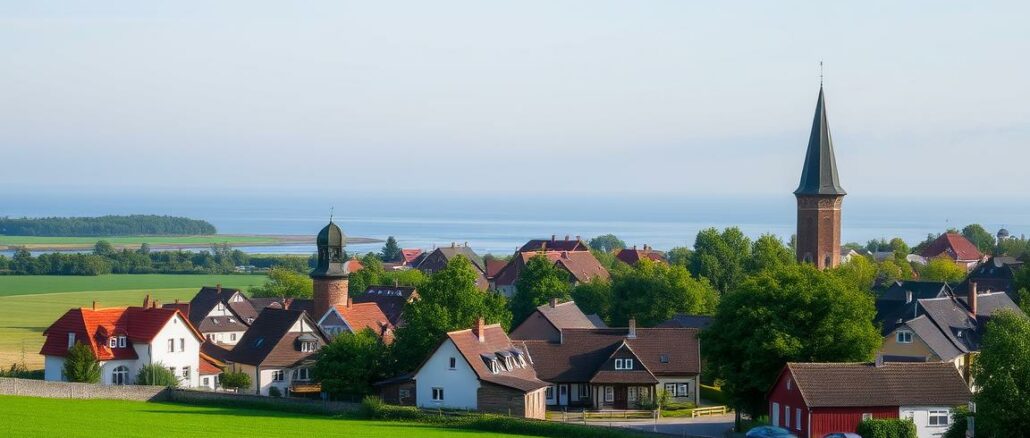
x,y
1003,233
331,235
330,241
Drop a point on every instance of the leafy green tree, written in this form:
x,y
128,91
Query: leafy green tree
x,y
680,256
720,257
539,281
1002,372
899,247
852,246
347,366
371,273
391,251
607,243
654,292
942,269
156,374
284,283
594,296
794,313
1021,279
768,252
103,248
144,248
983,240
81,364
859,271
404,277
448,301
888,271
235,380
606,259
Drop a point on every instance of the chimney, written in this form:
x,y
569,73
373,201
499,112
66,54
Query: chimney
x,y
554,302
566,237
879,360
466,244
218,287
578,237
176,301
154,304
632,328
350,302
453,245
634,247
146,301
972,298
564,254
94,304
553,237
480,329
908,296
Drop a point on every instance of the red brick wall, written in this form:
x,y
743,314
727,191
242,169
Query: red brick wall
x,y
328,292
819,224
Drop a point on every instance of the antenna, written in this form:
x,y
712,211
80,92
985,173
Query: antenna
x,y
820,73
331,209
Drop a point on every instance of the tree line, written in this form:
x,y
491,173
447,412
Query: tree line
x,y
132,225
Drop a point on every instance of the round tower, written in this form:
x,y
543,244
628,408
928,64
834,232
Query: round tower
x,y
330,275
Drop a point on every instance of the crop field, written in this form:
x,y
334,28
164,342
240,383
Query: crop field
x,y
54,243
29,416
29,304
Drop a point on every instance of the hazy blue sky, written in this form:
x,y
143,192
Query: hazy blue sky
x,y
520,96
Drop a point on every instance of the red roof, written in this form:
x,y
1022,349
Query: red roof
x,y
95,326
582,266
209,365
634,255
410,255
360,316
953,245
353,265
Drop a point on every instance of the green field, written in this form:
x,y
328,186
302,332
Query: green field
x,y
29,304
29,416
36,242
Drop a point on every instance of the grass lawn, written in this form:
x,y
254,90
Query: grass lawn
x,y
37,301
28,416
40,242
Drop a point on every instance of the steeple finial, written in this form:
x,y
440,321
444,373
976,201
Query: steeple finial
x,y
820,73
331,210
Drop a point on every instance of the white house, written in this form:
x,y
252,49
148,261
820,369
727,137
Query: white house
x,y
124,339
480,369
277,350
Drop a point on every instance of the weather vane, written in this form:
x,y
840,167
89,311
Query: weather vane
x,y
331,213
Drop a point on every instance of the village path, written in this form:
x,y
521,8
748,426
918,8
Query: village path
x,y
713,426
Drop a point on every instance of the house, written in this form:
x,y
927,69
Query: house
x,y
898,302
699,322
955,247
124,339
480,369
391,300
494,267
946,329
221,314
633,255
354,317
814,399
438,259
399,390
618,368
997,274
548,320
275,351
409,256
212,364
537,245
581,267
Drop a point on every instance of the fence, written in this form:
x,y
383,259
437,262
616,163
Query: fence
x,y
41,388
191,396
710,410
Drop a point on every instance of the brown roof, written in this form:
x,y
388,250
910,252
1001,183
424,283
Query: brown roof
x,y
583,352
360,316
608,374
269,341
582,266
494,266
208,297
495,343
565,315
892,384
555,244
954,246
633,255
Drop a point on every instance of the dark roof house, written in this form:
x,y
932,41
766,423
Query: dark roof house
x,y
274,339
631,256
547,322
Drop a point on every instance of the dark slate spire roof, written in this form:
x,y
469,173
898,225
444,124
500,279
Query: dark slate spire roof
x,y
819,176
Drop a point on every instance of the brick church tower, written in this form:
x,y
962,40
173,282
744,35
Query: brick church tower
x,y
819,197
330,276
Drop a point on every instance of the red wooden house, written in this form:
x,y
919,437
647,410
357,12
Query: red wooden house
x,y
813,399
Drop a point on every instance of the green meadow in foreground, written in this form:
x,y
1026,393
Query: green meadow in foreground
x,y
30,416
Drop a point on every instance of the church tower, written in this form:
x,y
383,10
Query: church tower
x,y
819,197
330,276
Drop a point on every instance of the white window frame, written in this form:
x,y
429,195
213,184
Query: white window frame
x,y
232,336
112,342
683,390
942,415
904,336
171,345
438,395
609,394
627,364
670,388
71,340
786,416
584,391
278,376
124,371
631,394
121,342
182,344
618,364
186,372
867,416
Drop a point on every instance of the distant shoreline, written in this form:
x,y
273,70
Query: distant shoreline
x,y
34,243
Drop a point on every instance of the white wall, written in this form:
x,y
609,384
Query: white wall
x,y
212,382
921,416
107,367
53,367
224,338
177,328
692,380
461,386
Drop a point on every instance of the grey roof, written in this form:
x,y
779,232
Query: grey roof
x,y
449,252
934,338
819,175
596,319
566,315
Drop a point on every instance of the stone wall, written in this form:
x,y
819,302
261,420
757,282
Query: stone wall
x,y
231,398
41,388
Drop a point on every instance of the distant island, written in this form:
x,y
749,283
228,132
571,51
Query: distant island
x,y
106,226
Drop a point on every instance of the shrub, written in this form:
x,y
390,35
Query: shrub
x,y
714,395
274,392
887,428
20,371
156,375
959,423
81,365
235,380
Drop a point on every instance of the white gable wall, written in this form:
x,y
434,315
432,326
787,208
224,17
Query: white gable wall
x,y
460,385
53,368
921,416
177,328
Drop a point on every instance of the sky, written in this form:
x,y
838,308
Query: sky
x,y
470,97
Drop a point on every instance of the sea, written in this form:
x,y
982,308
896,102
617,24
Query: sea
x,y
499,223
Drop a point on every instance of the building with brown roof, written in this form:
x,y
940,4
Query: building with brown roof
x,y
438,259
409,256
548,320
480,369
618,368
276,350
813,399
631,256
221,314
581,267
555,244
955,247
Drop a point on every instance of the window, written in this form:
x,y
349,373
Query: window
x,y
437,394
663,358
631,394
643,393
683,390
624,364
493,366
670,388
172,370
182,344
232,337
797,419
120,376
867,416
185,372
549,392
788,384
71,339
453,363
584,391
303,374
786,417
278,376
171,345
308,347
938,418
112,342
609,394
207,381
904,337
121,342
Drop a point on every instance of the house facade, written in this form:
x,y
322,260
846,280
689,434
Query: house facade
x,y
581,267
124,339
438,259
480,369
814,399
277,350
955,247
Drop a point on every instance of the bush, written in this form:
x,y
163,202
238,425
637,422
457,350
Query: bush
x,y
20,371
887,428
156,375
235,381
274,392
714,395
959,423
81,364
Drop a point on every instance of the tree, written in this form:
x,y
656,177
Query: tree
x,y
942,269
157,375
144,248
371,273
680,256
888,271
983,240
607,243
653,292
103,248
81,364
391,251
719,257
899,247
448,301
768,252
235,381
347,366
794,313
539,281
859,271
285,283
594,296
1002,372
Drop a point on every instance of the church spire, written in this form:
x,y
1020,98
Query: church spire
x,y
819,174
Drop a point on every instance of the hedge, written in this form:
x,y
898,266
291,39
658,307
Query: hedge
x,y
887,428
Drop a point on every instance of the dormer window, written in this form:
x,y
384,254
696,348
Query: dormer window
x,y
624,364
663,358
121,342
112,342
904,337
